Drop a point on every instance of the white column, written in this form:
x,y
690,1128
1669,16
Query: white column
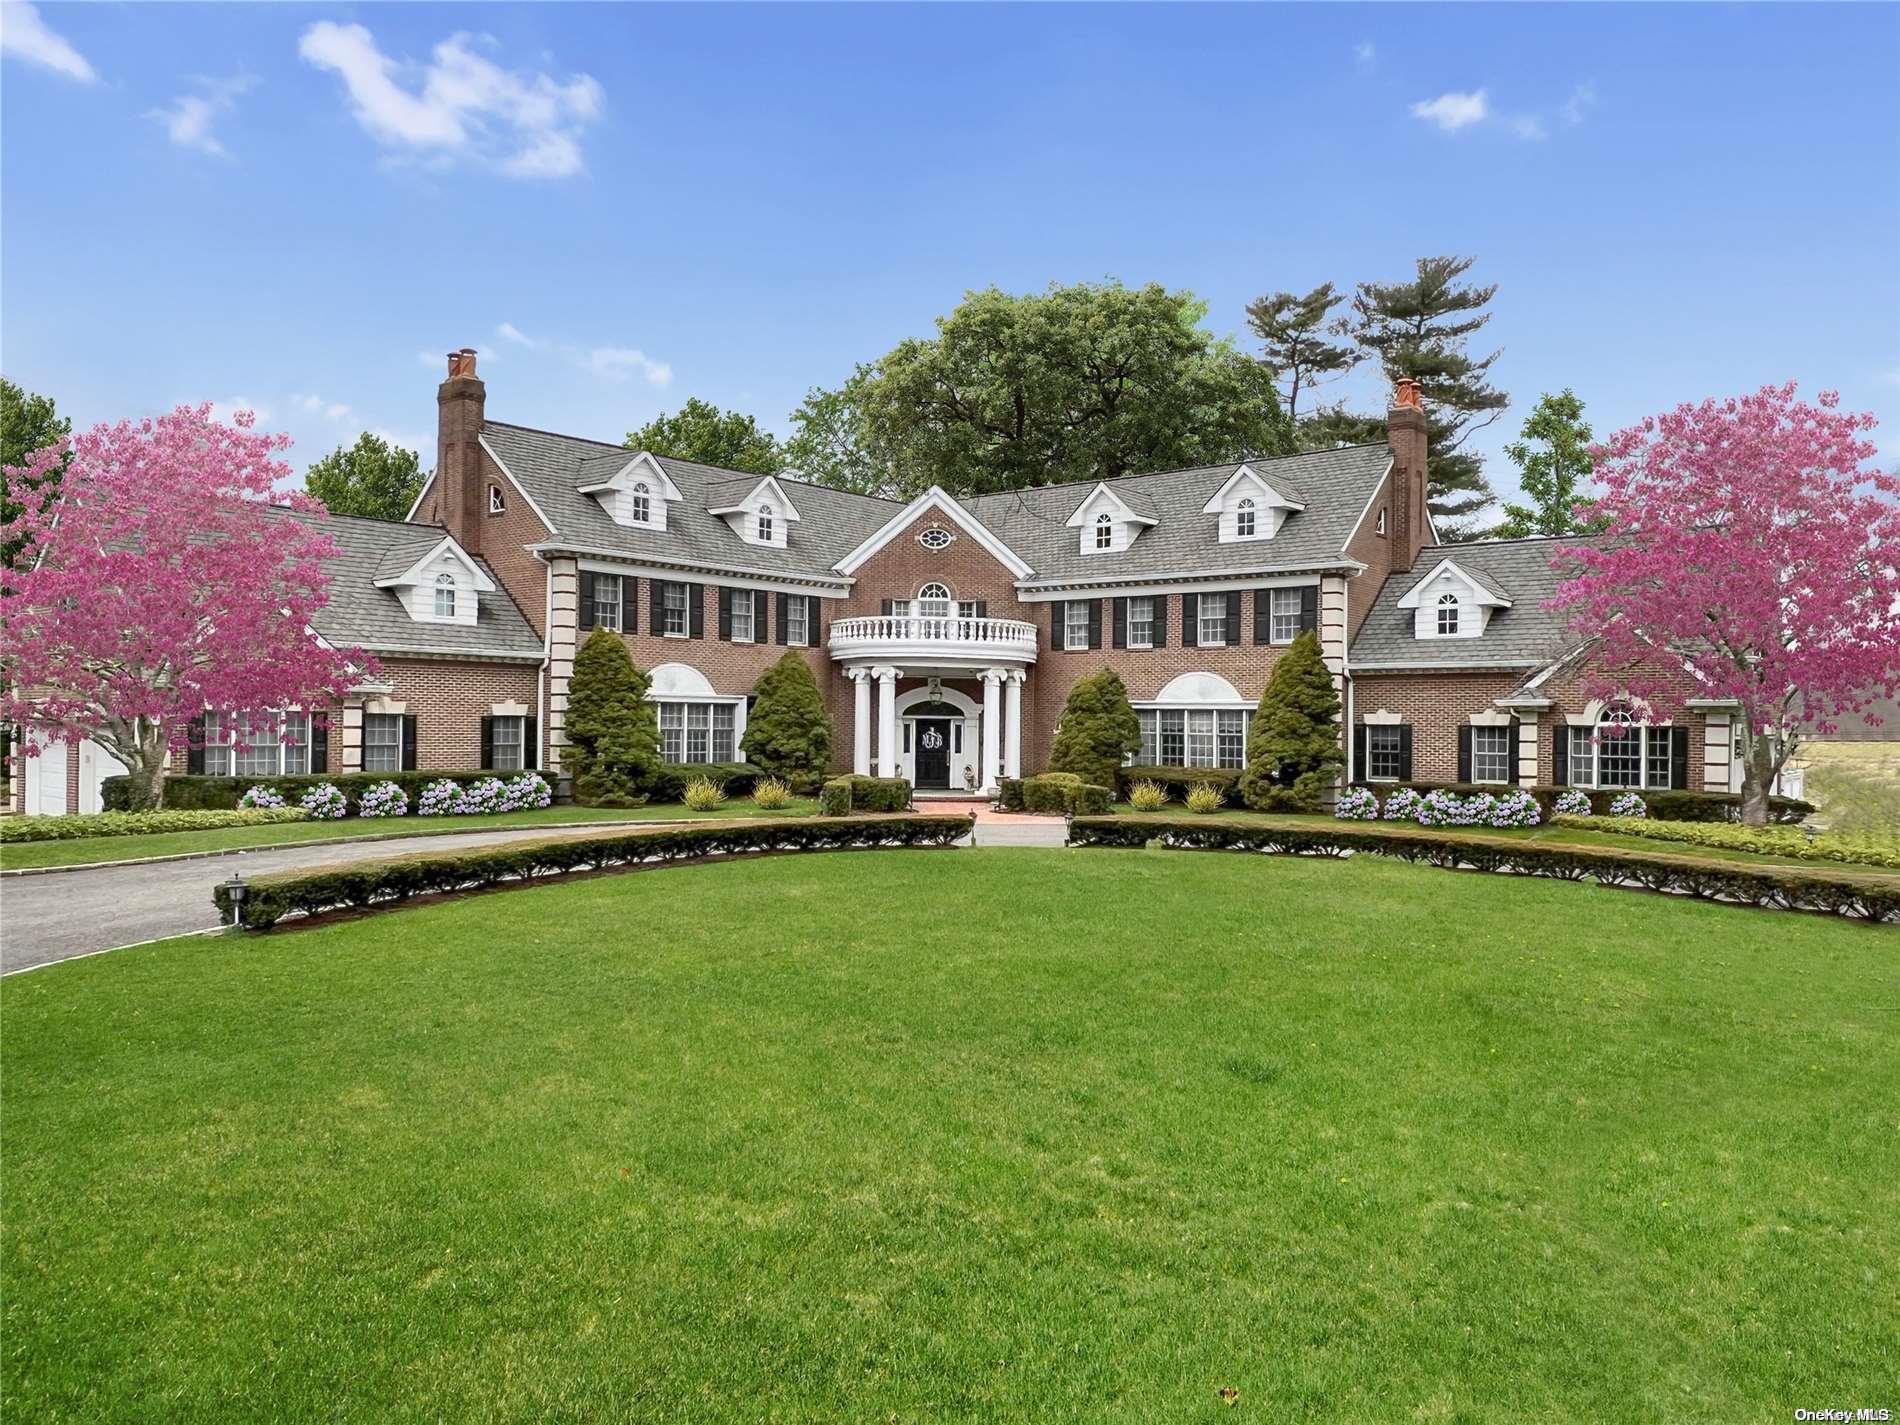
x,y
992,726
1013,727
861,720
886,721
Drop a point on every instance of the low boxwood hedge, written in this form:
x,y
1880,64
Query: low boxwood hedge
x,y
199,793
1864,894
1664,806
854,793
138,823
1790,842
1054,794
389,881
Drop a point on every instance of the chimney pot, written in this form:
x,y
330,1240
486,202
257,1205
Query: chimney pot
x,y
462,362
1408,393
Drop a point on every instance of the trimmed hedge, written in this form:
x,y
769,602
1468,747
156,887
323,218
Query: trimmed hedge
x,y
1866,894
138,823
1664,806
851,792
735,779
388,882
1790,842
1179,781
1054,794
186,792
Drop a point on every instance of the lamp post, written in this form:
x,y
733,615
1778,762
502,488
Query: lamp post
x,y
235,890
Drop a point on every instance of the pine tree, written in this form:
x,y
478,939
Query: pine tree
x,y
1550,472
1293,332
1419,329
1099,730
1293,751
788,734
612,732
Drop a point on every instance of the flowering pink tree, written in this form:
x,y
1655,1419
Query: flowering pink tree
x,y
1748,544
158,582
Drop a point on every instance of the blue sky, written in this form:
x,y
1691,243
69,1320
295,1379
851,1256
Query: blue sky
x,y
303,207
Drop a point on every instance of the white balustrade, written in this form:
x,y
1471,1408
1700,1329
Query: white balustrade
x,y
940,631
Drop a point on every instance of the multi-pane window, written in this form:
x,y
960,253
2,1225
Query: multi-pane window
x,y
1656,768
257,744
697,732
933,601
1447,615
1141,623
382,742
1491,754
742,616
1382,752
445,596
1233,738
1193,737
640,504
1075,625
1285,614
674,612
765,524
798,621
1244,520
607,601
1213,621
507,744
1619,752
1104,532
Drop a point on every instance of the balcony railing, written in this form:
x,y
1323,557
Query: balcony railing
x,y
945,633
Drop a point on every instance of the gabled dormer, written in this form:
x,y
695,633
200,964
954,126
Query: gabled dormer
x,y
436,580
1453,602
1106,523
1247,508
634,490
757,512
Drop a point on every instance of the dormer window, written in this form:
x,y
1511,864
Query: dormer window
x,y
1447,615
1243,520
640,507
765,524
1247,507
1454,602
1104,531
445,596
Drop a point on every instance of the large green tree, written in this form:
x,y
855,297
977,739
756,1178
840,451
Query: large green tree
x,y
1553,463
371,479
788,733
1084,382
1099,731
1293,748
700,431
833,442
613,734
1420,328
1296,343
27,423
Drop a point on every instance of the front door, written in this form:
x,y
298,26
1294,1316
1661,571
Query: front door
x,y
933,753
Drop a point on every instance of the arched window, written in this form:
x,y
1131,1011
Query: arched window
x,y
1621,752
765,524
1447,615
933,601
1244,520
445,596
1104,531
641,504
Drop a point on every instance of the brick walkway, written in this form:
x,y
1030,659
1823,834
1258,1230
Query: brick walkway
x,y
1002,828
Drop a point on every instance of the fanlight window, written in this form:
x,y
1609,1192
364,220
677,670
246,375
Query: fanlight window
x,y
933,601
1104,531
445,596
1447,615
641,504
1244,519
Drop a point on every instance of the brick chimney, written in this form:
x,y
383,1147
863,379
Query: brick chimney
x,y
1405,432
460,403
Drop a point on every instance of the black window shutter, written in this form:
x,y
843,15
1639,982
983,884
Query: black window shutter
x,y
761,617
1121,623
530,743
656,588
488,743
1056,638
1560,755
982,608
1095,623
1359,770
409,742
319,743
1233,617
725,613
1679,758
784,602
629,604
1160,606
1405,752
587,599
888,608
1190,620
195,754
696,609
1464,753
1262,608
1309,608
811,620
1511,770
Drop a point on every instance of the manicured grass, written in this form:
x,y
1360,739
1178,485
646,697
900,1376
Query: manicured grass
x,y
94,850
965,1135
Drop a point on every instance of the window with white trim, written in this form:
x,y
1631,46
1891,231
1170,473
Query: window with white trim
x,y
1383,756
445,596
1378,525
673,611
607,601
765,524
1284,613
496,504
1620,752
382,742
1104,531
1244,519
507,734
640,504
696,732
798,621
1075,625
933,601
257,744
1193,737
1213,620
1141,622
1491,754
741,615
1447,615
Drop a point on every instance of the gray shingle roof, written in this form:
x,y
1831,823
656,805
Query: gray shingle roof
x,y
1524,635
361,615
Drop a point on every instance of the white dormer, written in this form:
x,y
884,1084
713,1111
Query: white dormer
x,y
1248,508
760,515
1452,603
635,494
437,583
1105,523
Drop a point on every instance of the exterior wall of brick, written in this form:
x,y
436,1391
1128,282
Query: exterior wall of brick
x,y
448,700
1374,550
502,538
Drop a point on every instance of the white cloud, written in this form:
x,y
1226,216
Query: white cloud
x,y
316,405
516,334
24,35
1452,112
525,125
1582,99
1529,126
187,120
224,411
1365,54
616,363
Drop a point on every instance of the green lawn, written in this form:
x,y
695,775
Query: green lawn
x,y
964,1135
92,850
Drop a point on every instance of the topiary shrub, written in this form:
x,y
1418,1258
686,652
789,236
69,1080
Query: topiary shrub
x,y
1049,794
787,733
1099,730
852,793
834,798
1293,750
1009,793
613,732
1090,800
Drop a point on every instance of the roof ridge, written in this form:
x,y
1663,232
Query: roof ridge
x,y
1518,539
563,435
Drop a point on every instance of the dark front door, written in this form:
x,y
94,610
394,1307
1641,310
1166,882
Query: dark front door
x,y
933,753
